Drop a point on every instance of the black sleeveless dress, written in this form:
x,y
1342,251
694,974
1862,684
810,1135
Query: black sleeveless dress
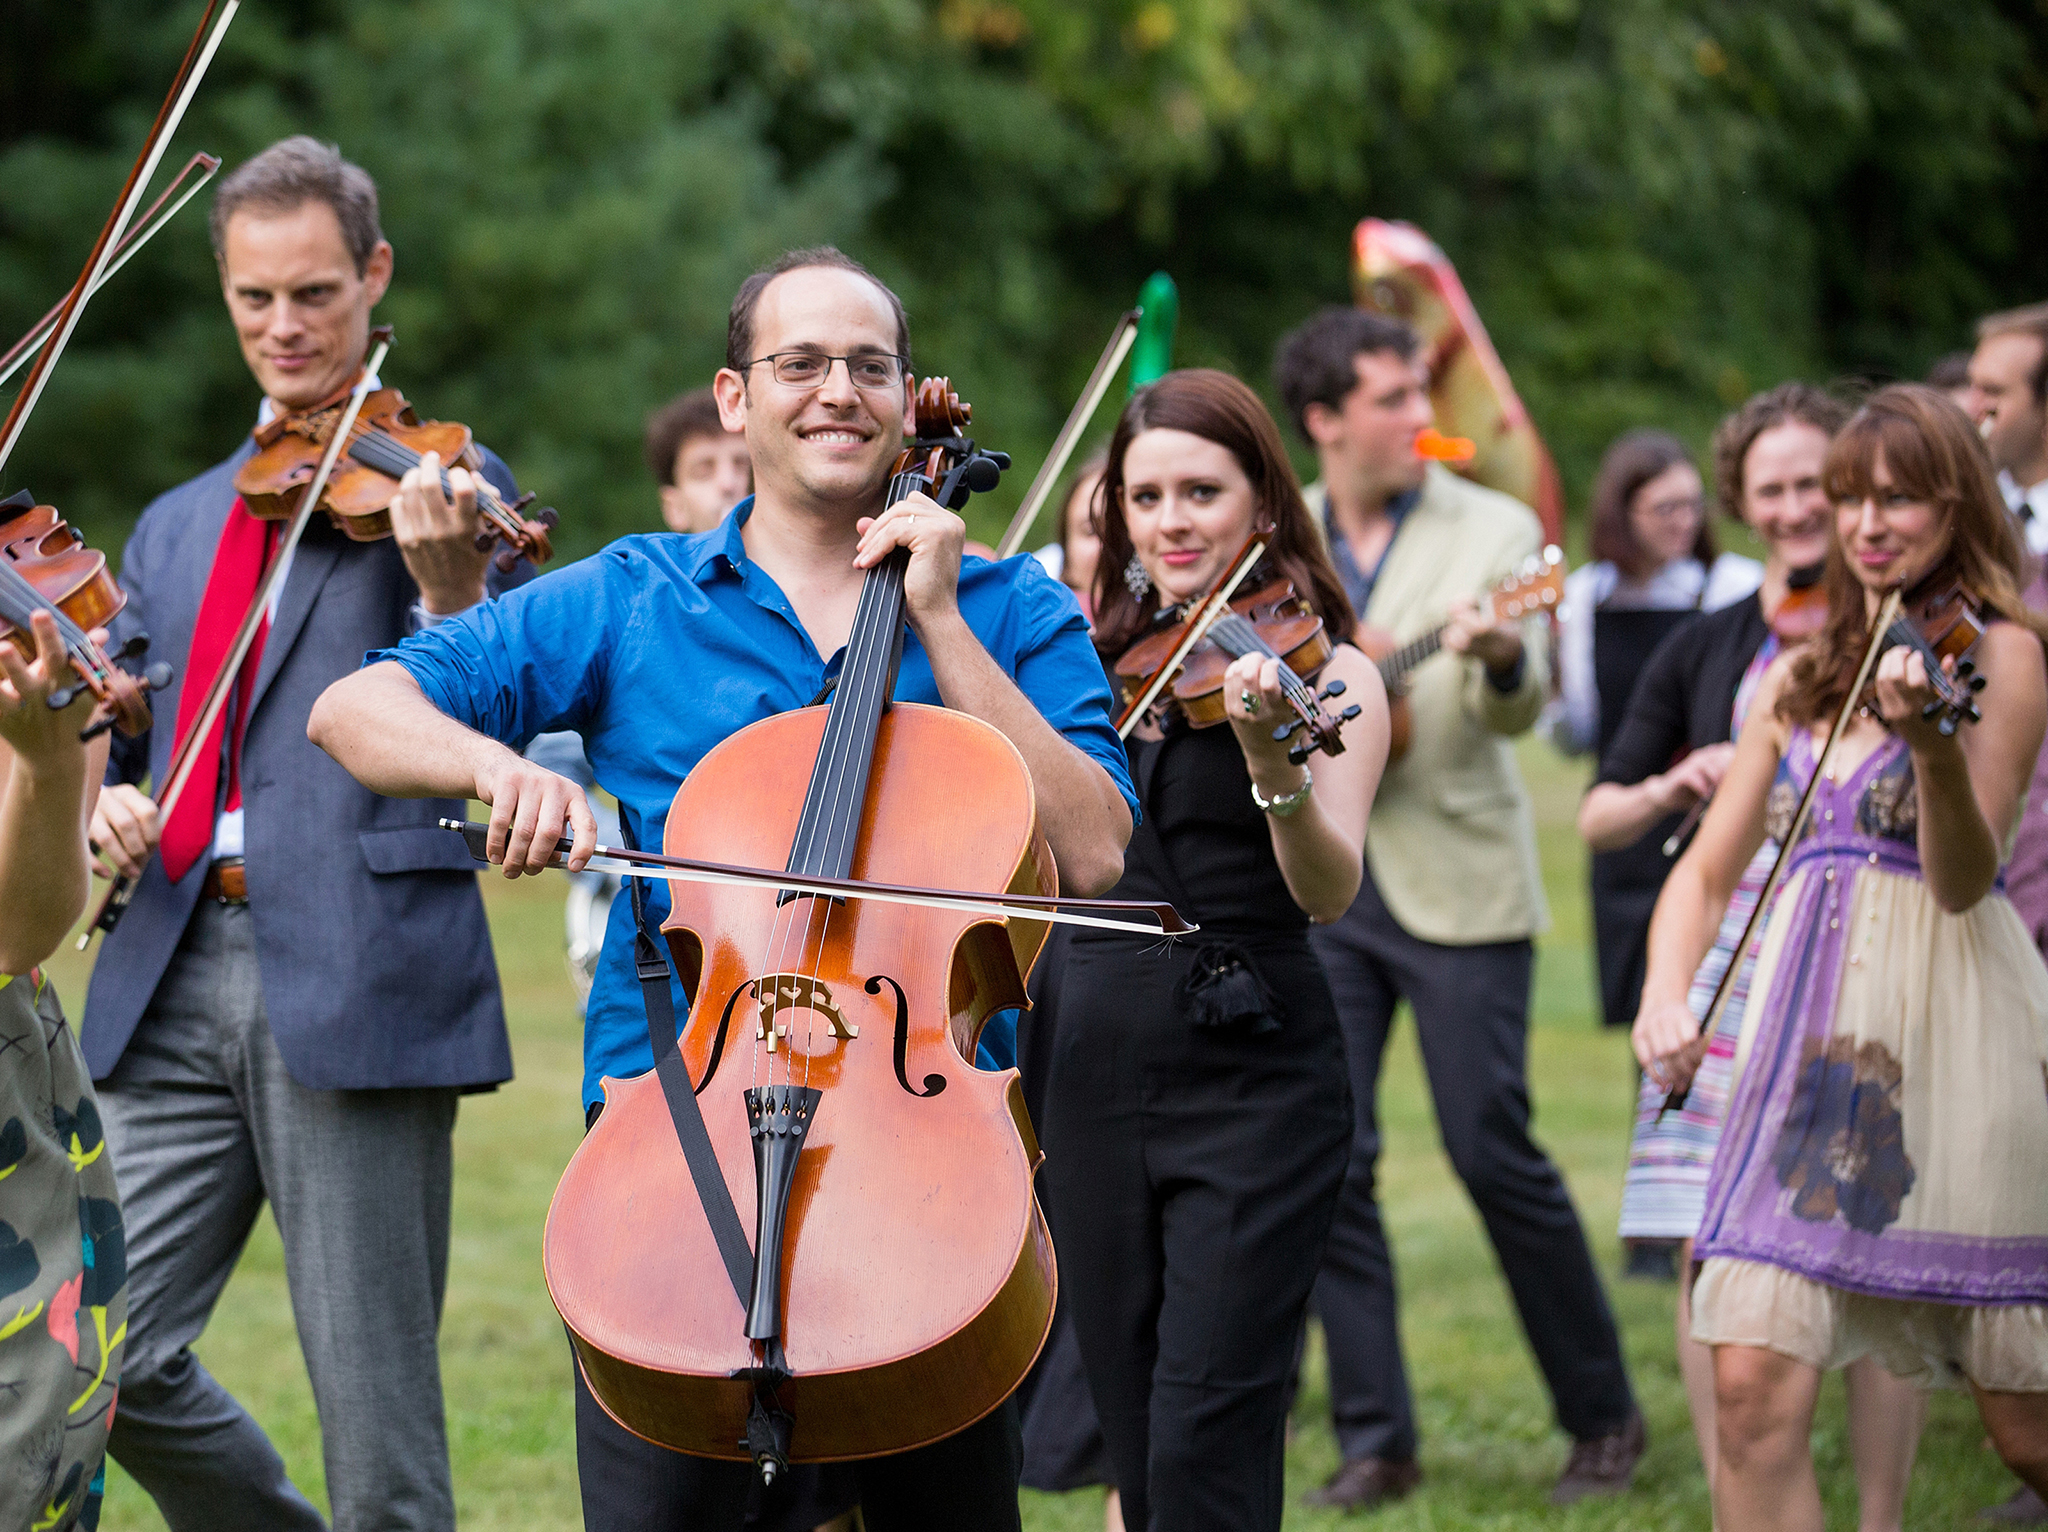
x,y
1197,1125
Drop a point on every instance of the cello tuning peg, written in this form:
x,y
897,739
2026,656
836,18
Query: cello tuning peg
x,y
158,676
1334,689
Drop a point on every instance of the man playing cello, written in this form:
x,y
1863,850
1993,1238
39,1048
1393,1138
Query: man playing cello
x,y
661,647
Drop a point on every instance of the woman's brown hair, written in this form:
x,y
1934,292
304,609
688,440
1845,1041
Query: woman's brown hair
x,y
1787,404
1216,407
1933,456
1631,462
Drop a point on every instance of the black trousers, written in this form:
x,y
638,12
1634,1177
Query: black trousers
x,y
1192,1174
1471,1009
967,1481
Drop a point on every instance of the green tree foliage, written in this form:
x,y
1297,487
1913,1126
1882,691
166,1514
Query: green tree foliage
x,y
1656,206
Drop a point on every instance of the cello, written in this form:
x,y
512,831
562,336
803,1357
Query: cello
x,y
899,1280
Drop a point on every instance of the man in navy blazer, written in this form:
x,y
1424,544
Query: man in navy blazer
x,y
294,1016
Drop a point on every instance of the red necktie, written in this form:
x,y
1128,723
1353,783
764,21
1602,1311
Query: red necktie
x,y
238,562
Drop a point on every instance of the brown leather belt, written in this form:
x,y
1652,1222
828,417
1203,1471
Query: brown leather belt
x,y
225,882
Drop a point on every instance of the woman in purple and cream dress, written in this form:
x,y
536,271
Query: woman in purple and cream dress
x,y
1878,1188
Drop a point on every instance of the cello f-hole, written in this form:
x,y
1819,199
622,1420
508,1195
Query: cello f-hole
x,y
933,1083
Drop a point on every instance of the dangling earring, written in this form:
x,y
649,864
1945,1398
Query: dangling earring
x,y
1135,578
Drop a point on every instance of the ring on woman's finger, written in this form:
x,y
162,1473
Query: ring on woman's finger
x,y
1251,703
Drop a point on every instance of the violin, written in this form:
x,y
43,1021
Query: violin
x,y
1803,610
1942,620
387,440
900,1276
45,566
1273,622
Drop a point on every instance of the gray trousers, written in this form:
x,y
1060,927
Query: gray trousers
x,y
204,1123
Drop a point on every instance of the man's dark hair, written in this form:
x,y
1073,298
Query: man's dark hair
x,y
682,419
1315,363
739,325
2031,320
1951,371
289,174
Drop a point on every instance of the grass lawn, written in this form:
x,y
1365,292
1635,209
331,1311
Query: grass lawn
x,y
1490,1449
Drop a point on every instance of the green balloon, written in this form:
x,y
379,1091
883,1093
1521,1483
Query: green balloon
x,y
1152,352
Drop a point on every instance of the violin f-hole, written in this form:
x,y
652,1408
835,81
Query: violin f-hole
x,y
933,1083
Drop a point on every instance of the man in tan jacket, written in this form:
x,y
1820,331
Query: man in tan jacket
x,y
1451,898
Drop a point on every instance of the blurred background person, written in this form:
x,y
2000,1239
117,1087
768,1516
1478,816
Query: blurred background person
x,y
1656,568
702,468
703,471
1951,374
1445,917
1686,708
1071,560
1063,1445
2008,401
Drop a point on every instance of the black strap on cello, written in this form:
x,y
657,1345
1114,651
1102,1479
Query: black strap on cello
x,y
650,962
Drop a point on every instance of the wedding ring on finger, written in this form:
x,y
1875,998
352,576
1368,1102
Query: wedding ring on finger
x,y
1251,703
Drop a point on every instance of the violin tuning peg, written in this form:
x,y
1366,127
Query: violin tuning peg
x,y
1285,731
1001,460
62,698
548,517
1334,689
1349,713
484,541
134,649
1299,754
1977,683
158,676
93,731
506,560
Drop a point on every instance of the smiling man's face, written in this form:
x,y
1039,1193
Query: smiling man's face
x,y
830,444
301,309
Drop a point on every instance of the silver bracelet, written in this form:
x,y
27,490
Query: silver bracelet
x,y
1280,808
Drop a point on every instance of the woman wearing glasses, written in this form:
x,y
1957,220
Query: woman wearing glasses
x,y
1656,566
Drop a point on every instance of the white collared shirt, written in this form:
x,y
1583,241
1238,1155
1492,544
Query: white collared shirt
x,y
2031,506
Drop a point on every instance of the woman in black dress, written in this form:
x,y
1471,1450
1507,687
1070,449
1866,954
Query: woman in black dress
x,y
1198,1120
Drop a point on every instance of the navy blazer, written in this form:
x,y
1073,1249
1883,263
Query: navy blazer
x,y
376,961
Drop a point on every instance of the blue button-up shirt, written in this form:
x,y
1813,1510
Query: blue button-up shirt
x,y
662,646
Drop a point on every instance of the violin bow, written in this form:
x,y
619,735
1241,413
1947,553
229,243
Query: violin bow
x,y
1052,908
1121,340
1216,604
202,165
198,55
1888,610
186,756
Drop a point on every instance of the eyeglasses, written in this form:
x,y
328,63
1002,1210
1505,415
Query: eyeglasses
x,y
1671,510
809,369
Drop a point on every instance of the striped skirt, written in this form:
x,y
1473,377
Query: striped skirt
x,y
1668,1161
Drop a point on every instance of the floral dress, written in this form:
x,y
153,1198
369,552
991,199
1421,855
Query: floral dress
x,y
1879,1188
63,1271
